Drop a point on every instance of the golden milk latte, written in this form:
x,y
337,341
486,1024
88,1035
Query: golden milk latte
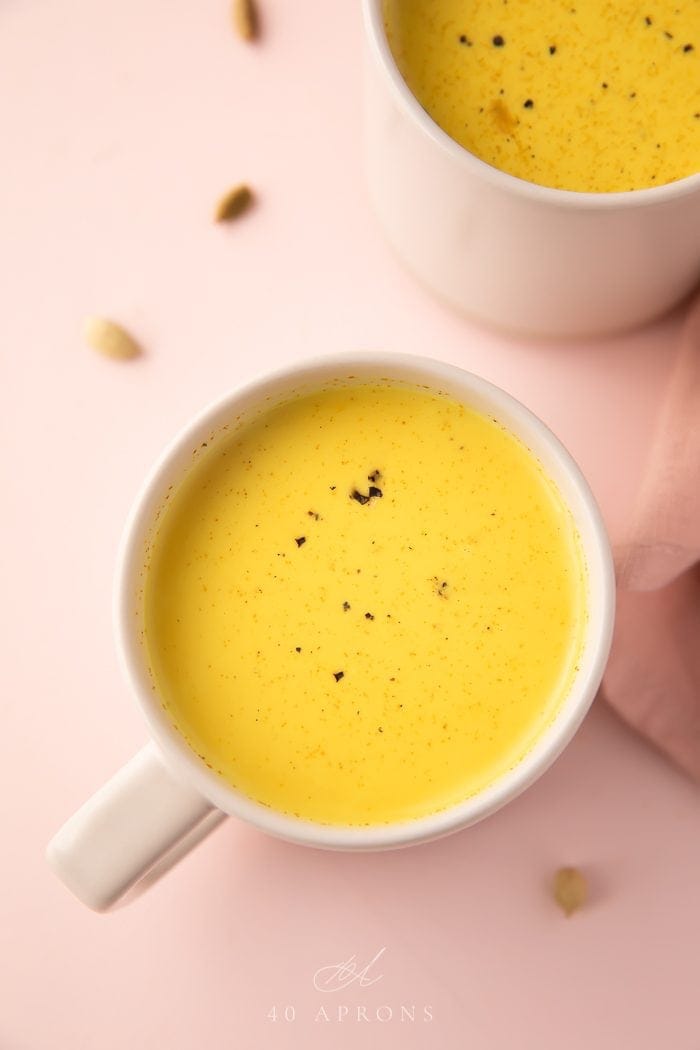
x,y
365,604
595,95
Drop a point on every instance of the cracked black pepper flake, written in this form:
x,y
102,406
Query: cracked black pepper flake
x,y
338,675
346,606
528,103
380,729
297,649
359,497
604,86
464,39
369,616
669,36
332,487
374,491
498,40
647,20
374,476
552,49
314,514
687,47
300,541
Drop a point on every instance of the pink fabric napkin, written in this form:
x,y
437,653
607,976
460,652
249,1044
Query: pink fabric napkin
x,y
653,677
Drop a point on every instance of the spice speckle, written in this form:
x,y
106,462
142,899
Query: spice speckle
x,y
498,40
373,493
300,541
338,675
440,587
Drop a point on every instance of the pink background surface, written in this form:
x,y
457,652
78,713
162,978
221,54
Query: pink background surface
x,y
121,125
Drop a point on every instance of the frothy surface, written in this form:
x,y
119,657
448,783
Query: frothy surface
x,y
599,96
366,606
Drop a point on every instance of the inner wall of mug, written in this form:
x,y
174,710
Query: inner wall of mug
x,y
235,411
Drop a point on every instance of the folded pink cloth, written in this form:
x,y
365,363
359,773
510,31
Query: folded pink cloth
x,y
653,677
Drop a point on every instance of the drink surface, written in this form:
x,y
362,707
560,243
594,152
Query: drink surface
x,y
365,605
598,96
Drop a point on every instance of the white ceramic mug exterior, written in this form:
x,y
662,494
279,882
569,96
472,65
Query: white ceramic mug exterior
x,y
519,256
166,798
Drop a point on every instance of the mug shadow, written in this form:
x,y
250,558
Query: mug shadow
x,y
619,354
504,862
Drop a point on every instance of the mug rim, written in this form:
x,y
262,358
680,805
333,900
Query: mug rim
x,y
502,180
182,759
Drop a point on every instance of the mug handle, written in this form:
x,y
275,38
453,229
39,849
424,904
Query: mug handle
x,y
133,830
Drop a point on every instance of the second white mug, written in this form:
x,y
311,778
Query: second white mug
x,y
522,257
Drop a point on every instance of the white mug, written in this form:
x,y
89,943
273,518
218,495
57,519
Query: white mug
x,y
522,257
166,799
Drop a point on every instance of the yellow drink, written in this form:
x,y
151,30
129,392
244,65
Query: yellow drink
x,y
364,605
595,95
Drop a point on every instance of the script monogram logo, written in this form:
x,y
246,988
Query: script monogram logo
x,y
337,976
